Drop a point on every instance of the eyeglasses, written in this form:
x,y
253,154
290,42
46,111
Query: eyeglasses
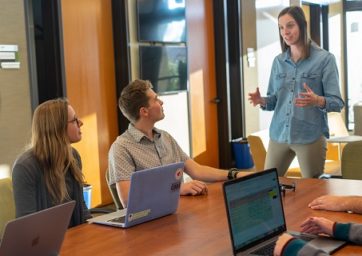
x,y
75,119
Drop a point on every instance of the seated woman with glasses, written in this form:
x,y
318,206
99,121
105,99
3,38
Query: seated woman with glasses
x,y
49,172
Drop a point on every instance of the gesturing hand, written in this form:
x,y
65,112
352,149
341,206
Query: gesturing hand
x,y
309,98
255,98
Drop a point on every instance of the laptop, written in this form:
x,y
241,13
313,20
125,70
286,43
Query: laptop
x,y
153,193
256,217
39,233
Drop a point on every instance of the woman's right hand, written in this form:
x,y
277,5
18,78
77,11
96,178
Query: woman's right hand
x,y
255,98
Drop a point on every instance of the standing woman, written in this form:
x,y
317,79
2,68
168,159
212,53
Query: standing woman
x,y
49,173
303,87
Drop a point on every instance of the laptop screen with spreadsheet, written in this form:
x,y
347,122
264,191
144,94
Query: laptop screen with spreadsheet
x,y
254,209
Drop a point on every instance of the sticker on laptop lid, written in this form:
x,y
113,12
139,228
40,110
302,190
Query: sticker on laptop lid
x,y
178,174
175,186
138,215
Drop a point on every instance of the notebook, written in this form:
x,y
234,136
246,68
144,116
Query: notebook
x,y
153,193
256,217
39,233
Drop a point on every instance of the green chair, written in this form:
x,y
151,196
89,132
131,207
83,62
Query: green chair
x,y
351,165
7,204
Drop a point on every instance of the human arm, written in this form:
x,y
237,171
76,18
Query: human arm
x,y
330,83
309,98
207,173
287,245
256,99
351,232
123,187
337,203
201,174
317,226
193,187
85,211
24,188
121,166
323,82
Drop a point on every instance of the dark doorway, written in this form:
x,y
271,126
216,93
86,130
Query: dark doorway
x,y
45,40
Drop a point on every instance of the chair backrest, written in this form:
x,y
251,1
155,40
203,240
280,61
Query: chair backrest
x,y
7,204
357,113
258,151
351,165
337,128
112,188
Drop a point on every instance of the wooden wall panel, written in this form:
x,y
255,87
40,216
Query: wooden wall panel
x,y
204,129
90,80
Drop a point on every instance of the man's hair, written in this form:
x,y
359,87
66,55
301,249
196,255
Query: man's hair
x,y
51,146
298,15
133,98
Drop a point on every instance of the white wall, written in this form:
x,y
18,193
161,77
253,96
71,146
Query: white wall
x,y
15,106
176,120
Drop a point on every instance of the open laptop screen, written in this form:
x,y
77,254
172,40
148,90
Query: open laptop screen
x,y
254,208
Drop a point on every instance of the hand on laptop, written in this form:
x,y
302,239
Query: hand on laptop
x,y
193,187
318,225
312,225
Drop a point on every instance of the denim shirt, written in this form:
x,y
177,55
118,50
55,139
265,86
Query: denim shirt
x,y
296,125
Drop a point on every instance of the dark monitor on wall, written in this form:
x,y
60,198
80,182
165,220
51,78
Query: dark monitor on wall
x,y
165,67
161,21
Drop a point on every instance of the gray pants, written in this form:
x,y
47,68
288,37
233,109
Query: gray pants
x,y
311,157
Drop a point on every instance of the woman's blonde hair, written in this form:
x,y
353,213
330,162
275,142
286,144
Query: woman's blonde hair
x,y
52,148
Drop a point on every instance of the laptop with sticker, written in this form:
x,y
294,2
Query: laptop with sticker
x,y
153,193
39,233
256,217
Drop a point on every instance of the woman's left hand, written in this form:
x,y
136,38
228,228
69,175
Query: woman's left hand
x,y
309,98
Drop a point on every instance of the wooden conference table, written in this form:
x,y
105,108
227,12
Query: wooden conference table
x,y
200,225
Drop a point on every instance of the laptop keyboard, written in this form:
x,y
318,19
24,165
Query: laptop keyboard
x,y
265,250
118,219
304,237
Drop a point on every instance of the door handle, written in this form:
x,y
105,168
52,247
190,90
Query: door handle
x,y
215,100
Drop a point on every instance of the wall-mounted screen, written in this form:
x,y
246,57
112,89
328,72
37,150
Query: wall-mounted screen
x,y
161,21
165,67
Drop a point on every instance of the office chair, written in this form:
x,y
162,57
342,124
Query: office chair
x,y
112,188
352,161
258,151
337,128
7,204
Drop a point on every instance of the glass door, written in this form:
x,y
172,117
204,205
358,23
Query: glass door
x,y
353,30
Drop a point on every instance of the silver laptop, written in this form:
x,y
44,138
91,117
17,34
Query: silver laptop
x,y
153,193
39,233
256,217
